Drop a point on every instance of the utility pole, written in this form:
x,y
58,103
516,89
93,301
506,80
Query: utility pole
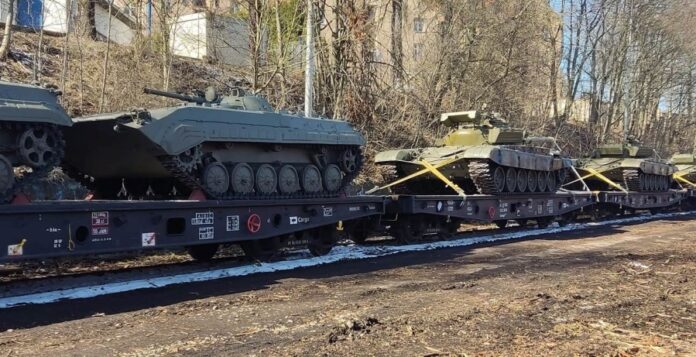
x,y
628,112
309,66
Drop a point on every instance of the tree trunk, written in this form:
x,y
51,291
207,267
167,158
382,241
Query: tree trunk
x,y
7,37
87,25
396,41
106,59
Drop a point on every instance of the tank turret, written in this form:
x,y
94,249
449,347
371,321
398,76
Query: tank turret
x,y
477,128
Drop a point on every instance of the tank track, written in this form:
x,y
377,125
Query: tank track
x,y
24,183
191,182
631,179
482,174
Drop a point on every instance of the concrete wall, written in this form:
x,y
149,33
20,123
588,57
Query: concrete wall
x,y
120,32
189,36
4,6
228,41
55,17
218,38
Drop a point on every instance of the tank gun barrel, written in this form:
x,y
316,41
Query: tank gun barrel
x,y
185,98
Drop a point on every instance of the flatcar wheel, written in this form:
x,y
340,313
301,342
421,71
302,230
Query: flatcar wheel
x,y
266,179
215,179
521,180
202,252
320,241
541,181
242,178
501,223
499,179
551,182
510,179
532,181
261,249
409,230
288,180
311,179
332,178
6,177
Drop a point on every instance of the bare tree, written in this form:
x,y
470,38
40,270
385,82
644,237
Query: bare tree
x,y
7,35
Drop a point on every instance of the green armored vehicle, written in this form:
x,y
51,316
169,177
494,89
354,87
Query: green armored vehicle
x,y
229,147
484,155
630,165
30,118
686,168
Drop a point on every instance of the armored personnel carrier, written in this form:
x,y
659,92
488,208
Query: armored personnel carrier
x,y
630,165
231,146
30,118
686,166
485,155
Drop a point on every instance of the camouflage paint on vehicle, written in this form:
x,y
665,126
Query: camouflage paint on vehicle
x,y
686,166
631,165
489,157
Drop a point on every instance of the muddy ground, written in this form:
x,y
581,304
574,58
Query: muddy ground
x,y
620,291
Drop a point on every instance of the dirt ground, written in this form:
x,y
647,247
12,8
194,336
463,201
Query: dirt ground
x,y
620,291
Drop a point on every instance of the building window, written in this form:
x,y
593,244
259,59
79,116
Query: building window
x,y
418,51
418,25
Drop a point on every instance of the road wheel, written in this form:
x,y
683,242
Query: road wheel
x,y
532,181
521,180
499,179
541,181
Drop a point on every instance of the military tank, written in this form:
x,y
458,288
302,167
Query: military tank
x,y
233,146
686,166
630,165
485,155
30,118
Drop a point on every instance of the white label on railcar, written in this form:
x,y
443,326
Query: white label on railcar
x,y
100,219
15,250
328,211
298,220
233,223
149,239
205,233
100,231
202,219
57,243
52,230
503,209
